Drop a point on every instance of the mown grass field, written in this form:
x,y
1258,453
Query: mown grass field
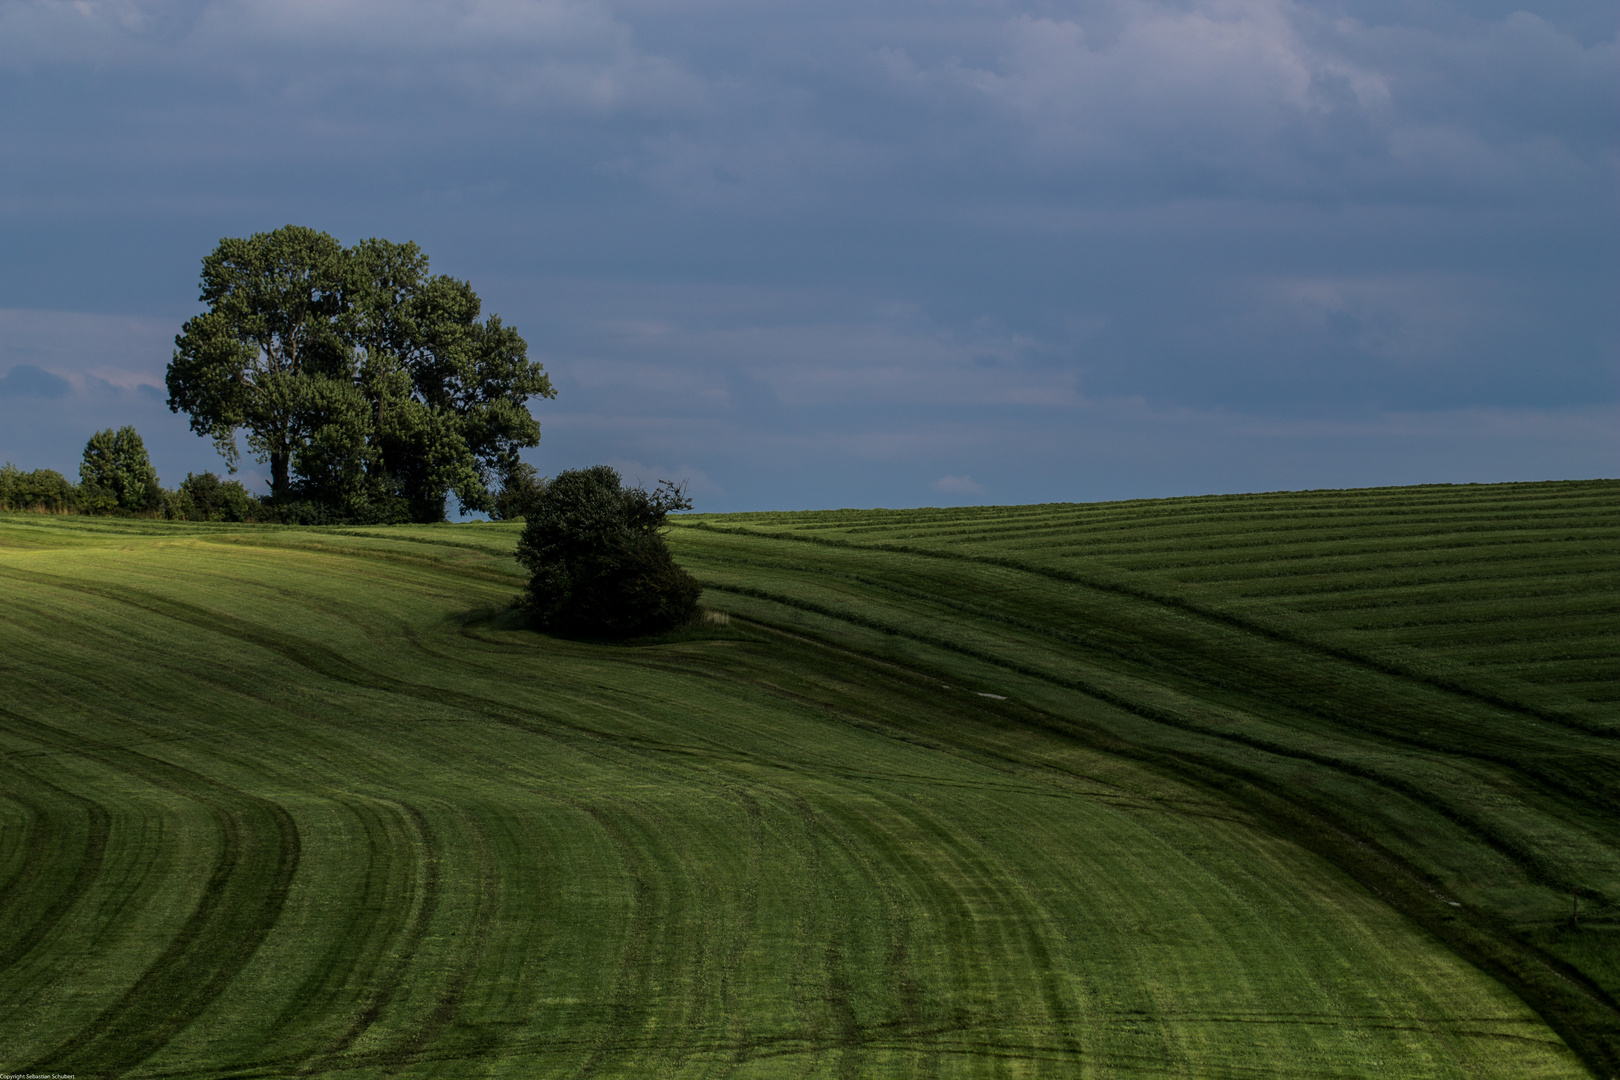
x,y
1289,785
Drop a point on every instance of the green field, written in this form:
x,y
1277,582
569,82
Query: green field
x,y
1294,785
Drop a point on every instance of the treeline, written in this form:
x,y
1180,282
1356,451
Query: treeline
x,y
116,478
373,389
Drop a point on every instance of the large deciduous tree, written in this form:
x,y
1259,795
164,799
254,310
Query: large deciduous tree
x,y
259,357
373,388
447,390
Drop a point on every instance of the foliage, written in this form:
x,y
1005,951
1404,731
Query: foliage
x,y
372,387
597,558
41,490
521,489
205,497
116,474
116,477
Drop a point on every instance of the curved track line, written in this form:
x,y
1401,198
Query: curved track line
x,y
1259,629
41,841
1556,990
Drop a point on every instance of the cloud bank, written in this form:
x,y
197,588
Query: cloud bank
x,y
832,253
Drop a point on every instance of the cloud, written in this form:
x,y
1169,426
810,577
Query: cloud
x,y
1239,98
25,380
823,250
772,353
1221,80
522,55
958,485
125,350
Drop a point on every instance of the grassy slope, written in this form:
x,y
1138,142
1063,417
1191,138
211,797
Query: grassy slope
x,y
1431,671
278,802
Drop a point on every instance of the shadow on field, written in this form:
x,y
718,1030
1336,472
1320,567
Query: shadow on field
x,y
709,625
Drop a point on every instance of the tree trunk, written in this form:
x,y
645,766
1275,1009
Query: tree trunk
x,y
279,481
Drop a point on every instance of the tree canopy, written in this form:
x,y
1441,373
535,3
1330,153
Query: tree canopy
x,y
117,474
205,497
372,387
40,489
521,489
599,564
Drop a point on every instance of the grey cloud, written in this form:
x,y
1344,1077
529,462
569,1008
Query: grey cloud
x,y
1107,449
824,108
1516,76
25,380
872,244
516,55
1270,97
959,486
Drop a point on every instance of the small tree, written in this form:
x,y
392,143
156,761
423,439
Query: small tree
x,y
599,564
521,489
116,474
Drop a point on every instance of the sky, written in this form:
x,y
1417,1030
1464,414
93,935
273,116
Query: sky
x,y
877,253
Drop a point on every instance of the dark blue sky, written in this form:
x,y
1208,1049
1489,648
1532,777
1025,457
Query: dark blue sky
x,y
891,253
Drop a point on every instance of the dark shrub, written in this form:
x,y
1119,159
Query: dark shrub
x,y
42,489
295,511
599,565
205,497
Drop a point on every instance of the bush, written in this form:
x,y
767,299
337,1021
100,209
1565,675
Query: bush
x,y
599,564
291,510
205,497
42,489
